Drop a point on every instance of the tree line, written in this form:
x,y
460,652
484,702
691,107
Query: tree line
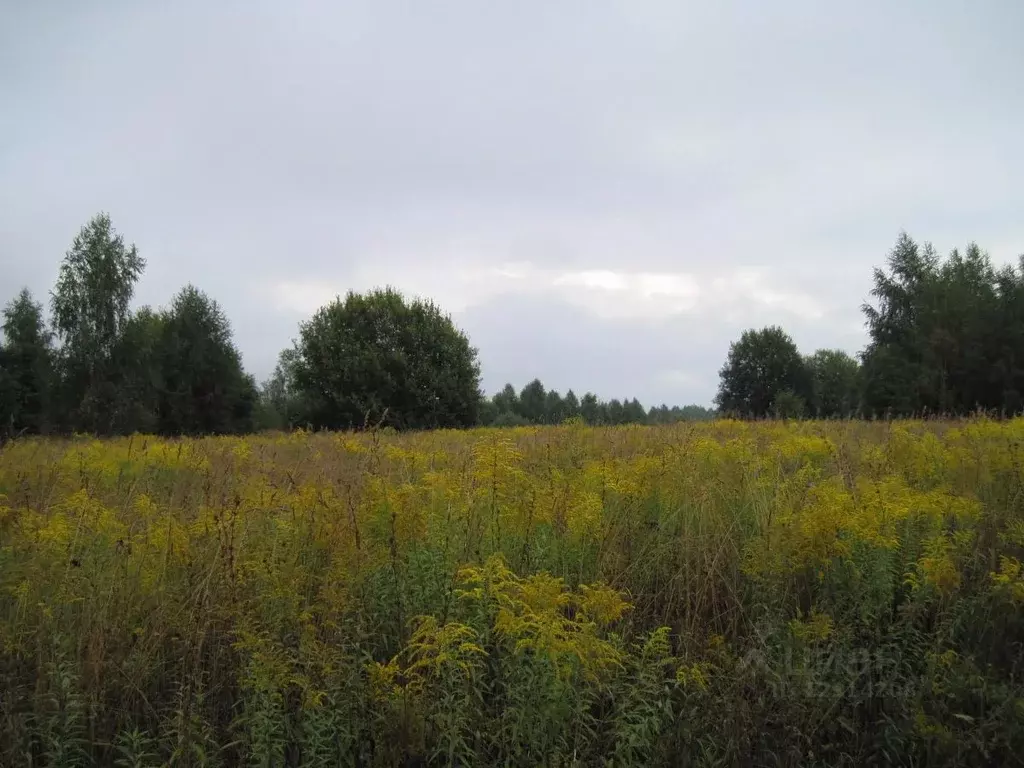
x,y
377,358
534,404
765,375
945,337
97,366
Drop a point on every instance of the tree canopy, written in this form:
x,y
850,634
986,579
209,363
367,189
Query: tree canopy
x,y
946,335
835,384
376,357
91,305
535,404
26,368
760,367
205,390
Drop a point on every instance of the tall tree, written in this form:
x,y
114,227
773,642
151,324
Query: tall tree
x,y
27,368
590,408
554,407
7,397
659,414
761,366
532,401
571,405
506,401
633,412
835,384
90,309
616,413
962,331
894,365
138,373
1007,339
205,389
944,333
377,356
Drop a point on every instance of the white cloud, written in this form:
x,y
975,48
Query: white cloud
x,y
740,295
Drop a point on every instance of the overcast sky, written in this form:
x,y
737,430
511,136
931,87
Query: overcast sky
x,y
603,194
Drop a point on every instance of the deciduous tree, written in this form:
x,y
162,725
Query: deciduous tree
x,y
26,368
835,384
205,389
375,356
760,366
90,309
532,401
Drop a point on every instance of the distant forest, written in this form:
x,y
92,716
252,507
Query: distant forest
x,y
946,336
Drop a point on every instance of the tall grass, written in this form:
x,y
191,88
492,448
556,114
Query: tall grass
x,y
815,593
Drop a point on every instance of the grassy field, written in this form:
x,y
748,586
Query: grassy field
x,y
714,594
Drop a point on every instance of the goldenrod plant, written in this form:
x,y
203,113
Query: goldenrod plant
x,y
713,593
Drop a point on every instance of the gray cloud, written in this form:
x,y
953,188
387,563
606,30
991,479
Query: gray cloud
x,y
603,194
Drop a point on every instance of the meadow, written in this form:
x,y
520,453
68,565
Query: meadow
x,y
723,593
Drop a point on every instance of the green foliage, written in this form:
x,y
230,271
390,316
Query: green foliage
x,y
508,419
614,413
135,750
633,412
570,406
375,356
788,405
554,408
204,388
761,365
506,401
139,378
945,334
27,375
280,404
65,743
117,371
590,408
532,402
662,414
90,310
645,706
945,337
8,396
718,593
537,405
835,384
